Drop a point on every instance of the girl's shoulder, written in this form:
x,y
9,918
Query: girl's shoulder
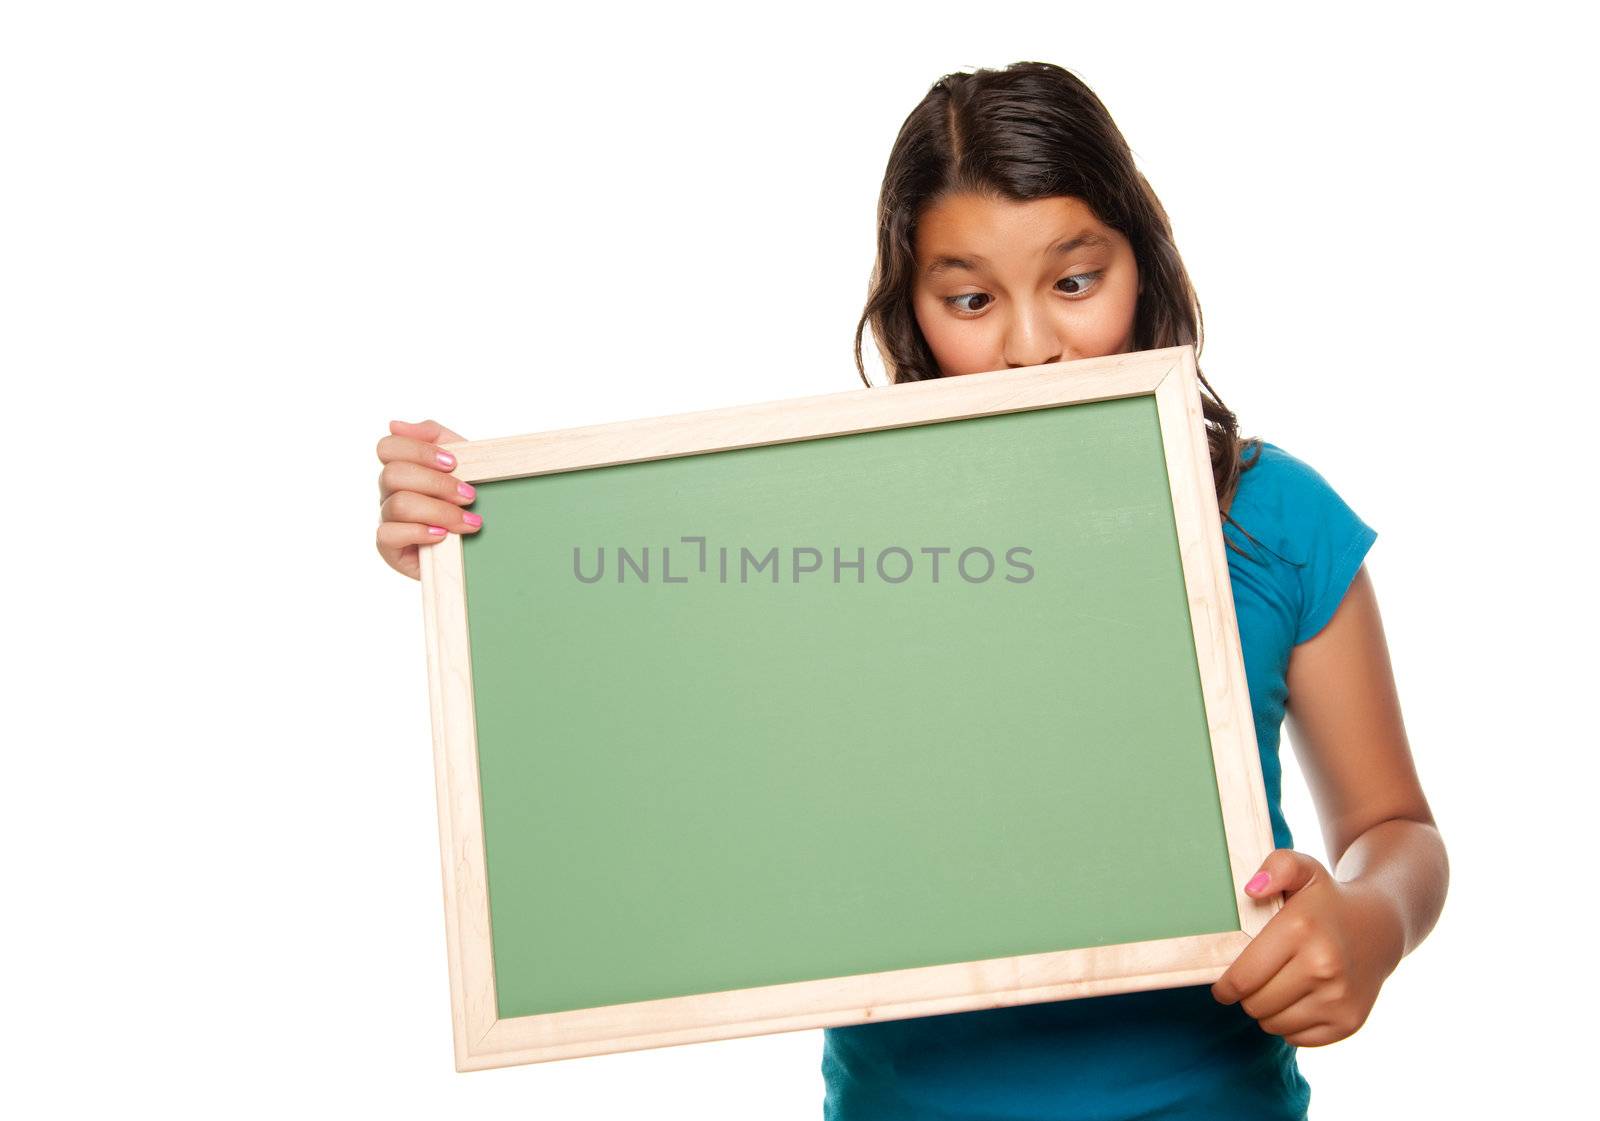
x,y
1282,491
1304,530
1263,461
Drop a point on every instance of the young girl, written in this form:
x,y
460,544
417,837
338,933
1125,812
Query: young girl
x,y
1014,230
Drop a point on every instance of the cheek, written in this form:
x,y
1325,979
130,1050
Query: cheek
x,y
959,346
1127,302
1104,324
1118,313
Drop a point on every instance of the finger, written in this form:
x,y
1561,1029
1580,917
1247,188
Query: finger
x,y
406,561
410,506
1282,990
1305,1013
1319,1035
393,448
405,475
395,535
1284,870
430,430
1267,953
398,543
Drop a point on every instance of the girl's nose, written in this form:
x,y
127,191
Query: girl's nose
x,y
1032,341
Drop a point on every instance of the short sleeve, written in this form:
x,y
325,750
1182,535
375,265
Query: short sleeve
x,y
1333,540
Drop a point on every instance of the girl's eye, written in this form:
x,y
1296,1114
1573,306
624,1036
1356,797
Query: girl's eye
x,y
953,301
1091,277
1083,282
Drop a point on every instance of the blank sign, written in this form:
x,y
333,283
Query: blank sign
x,y
885,703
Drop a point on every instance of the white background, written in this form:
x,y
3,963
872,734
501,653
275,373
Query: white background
x,y
238,238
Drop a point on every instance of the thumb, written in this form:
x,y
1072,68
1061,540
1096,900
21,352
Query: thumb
x,y
429,430
1283,870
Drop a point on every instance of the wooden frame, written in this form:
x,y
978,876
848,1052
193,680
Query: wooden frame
x,y
484,1040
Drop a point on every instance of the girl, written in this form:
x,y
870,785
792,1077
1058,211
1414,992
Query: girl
x,y
1014,230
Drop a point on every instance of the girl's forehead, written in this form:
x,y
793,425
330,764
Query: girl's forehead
x,y
974,223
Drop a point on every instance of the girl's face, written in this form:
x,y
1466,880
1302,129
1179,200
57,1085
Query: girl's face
x,y
1006,284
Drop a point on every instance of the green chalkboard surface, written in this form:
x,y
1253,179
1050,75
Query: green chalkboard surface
x,y
711,760
869,705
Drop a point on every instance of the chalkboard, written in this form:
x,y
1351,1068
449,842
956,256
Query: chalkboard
x,y
884,703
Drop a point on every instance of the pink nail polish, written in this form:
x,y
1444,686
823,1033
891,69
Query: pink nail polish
x,y
446,459
466,490
1257,882
472,519
437,530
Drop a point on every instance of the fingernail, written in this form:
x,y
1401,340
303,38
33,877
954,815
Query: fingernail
x,y
437,530
446,459
1257,882
472,519
466,490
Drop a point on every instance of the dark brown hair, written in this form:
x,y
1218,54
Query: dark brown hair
x,y
1030,131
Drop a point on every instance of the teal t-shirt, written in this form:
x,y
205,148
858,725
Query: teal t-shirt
x,y
1164,1053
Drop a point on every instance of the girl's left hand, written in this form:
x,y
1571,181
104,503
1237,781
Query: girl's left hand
x,y
1313,973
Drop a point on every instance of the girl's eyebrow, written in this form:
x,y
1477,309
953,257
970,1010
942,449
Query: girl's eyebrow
x,y
947,264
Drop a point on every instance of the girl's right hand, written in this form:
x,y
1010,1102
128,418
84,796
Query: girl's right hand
x,y
420,501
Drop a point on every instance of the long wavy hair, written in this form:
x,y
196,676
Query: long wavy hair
x,y
1033,130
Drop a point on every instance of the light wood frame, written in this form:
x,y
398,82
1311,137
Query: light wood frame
x,y
484,1040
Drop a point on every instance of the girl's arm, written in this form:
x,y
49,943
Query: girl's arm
x,y
1314,971
1344,717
